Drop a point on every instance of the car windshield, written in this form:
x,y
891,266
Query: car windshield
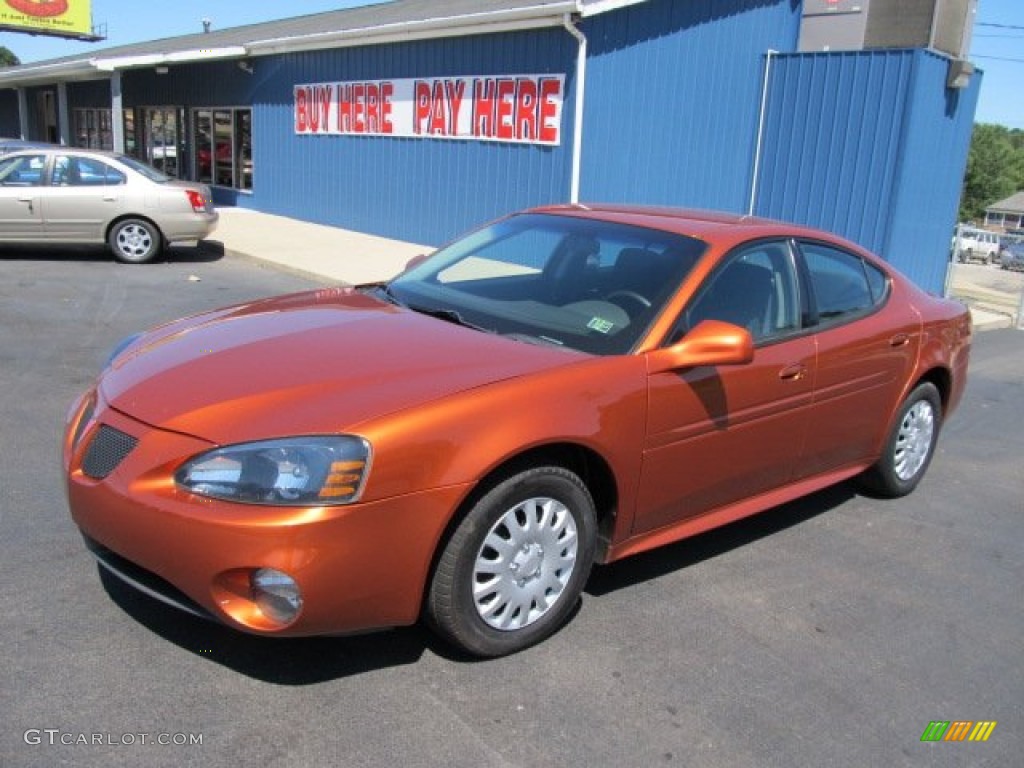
x,y
592,286
148,171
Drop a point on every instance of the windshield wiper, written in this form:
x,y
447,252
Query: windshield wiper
x,y
448,315
541,341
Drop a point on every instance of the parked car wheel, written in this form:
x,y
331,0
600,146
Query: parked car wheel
x,y
910,445
514,567
134,241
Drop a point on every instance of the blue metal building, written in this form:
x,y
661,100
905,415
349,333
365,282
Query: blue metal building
x,y
697,104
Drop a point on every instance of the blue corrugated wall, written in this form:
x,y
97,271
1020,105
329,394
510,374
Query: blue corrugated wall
x,y
422,190
932,162
870,145
673,95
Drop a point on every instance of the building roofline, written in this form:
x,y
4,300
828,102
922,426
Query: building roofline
x,y
260,40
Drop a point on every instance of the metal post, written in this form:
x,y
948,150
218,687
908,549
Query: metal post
x,y
23,113
63,117
1020,310
116,111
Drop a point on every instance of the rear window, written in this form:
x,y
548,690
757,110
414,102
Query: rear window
x,y
148,171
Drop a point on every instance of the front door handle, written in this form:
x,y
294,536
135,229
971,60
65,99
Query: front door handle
x,y
30,201
793,372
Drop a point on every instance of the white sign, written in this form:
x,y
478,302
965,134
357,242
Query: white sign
x,y
517,108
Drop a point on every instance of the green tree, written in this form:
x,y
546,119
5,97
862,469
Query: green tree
x,y
995,169
8,59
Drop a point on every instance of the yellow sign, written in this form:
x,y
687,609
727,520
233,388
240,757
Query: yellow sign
x,y
69,18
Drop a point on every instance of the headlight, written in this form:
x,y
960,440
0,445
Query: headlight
x,y
296,471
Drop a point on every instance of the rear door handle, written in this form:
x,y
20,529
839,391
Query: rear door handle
x,y
30,201
793,372
899,340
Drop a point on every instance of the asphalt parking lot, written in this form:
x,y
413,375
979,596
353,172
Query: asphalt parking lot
x,y
827,632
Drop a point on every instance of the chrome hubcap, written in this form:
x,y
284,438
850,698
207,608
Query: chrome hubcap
x,y
914,440
524,563
134,240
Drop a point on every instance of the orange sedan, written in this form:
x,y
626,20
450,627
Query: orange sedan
x,y
565,386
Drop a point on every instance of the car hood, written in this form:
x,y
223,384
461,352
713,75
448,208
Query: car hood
x,y
316,362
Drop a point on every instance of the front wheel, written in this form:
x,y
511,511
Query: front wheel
x,y
910,445
515,565
134,241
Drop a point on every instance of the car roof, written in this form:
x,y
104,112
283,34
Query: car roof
x,y
718,226
57,149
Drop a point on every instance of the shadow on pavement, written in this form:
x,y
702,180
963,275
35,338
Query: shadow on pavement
x,y
205,251
683,554
282,661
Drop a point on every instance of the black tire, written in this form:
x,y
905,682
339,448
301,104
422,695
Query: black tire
x,y
135,241
506,518
910,445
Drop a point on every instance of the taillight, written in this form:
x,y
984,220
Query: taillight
x,y
197,200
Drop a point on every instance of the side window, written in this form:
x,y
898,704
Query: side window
x,y
84,172
842,283
23,171
96,173
756,289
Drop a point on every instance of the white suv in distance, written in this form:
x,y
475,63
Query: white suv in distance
x,y
978,245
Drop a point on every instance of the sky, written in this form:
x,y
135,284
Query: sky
x,y
997,44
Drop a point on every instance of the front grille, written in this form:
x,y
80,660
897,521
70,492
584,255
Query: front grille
x,y
107,449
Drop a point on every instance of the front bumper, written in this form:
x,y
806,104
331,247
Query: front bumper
x,y
359,567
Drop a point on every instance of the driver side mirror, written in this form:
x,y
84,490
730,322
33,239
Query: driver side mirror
x,y
711,342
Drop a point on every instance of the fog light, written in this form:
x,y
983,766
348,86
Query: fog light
x,y
276,594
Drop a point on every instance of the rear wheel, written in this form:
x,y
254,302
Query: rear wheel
x,y
514,568
134,241
910,445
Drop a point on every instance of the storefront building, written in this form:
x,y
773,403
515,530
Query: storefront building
x,y
416,119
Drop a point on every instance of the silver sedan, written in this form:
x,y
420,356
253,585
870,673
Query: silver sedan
x,y
65,195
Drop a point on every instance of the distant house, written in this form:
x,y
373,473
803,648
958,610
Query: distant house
x,y
1006,214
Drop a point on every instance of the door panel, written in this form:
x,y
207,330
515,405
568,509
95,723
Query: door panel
x,y
867,348
84,195
20,211
861,375
717,435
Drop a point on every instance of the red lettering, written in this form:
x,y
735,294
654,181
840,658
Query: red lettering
x,y
359,108
345,108
323,108
550,97
386,92
506,107
301,110
372,108
526,109
483,107
437,110
456,90
421,114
